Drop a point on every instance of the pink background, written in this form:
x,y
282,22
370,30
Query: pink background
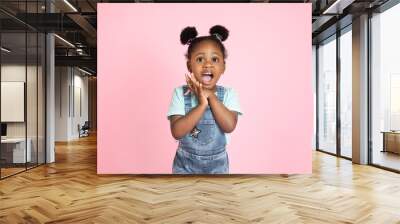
x,y
140,61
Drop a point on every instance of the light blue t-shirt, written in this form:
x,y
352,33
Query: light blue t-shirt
x,y
177,105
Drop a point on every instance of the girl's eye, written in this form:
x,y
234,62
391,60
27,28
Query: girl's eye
x,y
199,60
215,59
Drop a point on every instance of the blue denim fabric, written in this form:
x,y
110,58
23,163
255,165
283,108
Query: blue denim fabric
x,y
204,152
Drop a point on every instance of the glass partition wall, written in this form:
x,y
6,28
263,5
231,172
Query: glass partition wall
x,y
334,93
22,88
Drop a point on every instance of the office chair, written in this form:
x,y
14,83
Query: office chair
x,y
84,130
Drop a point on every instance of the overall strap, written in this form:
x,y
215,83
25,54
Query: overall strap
x,y
187,99
220,93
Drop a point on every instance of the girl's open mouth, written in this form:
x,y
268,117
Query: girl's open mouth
x,y
206,77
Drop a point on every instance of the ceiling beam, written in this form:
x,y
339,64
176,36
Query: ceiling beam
x,y
85,25
85,61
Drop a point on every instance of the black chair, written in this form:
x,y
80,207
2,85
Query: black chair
x,y
84,130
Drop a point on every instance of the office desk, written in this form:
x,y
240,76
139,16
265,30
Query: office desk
x,y
391,141
13,150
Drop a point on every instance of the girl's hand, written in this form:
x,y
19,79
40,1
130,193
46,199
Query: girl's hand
x,y
189,84
197,88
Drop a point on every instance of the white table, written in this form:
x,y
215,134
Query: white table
x,y
18,149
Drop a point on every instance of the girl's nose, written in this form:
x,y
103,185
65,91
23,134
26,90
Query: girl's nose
x,y
208,63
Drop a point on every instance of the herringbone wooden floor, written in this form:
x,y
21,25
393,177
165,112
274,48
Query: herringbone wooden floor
x,y
70,191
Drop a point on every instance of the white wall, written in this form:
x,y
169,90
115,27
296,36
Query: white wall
x,y
9,73
79,117
71,93
15,72
62,80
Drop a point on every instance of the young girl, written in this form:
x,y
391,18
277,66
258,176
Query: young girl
x,y
201,113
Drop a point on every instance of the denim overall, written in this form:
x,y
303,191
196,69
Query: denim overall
x,y
202,151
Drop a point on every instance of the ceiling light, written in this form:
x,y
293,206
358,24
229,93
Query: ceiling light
x,y
70,5
338,6
86,72
64,40
5,50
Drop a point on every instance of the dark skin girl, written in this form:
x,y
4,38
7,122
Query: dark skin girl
x,y
205,60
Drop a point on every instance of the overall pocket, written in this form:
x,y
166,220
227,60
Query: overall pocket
x,y
207,132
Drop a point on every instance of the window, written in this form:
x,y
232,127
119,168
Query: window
x,y
385,88
327,95
346,92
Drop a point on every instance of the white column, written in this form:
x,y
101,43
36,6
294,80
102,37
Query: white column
x,y
360,90
50,92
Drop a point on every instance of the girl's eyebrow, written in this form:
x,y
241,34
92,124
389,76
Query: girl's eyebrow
x,y
212,53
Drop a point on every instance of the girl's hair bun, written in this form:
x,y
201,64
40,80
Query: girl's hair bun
x,y
221,31
188,34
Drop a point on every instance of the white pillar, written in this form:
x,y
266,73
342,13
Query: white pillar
x,y
360,90
50,91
